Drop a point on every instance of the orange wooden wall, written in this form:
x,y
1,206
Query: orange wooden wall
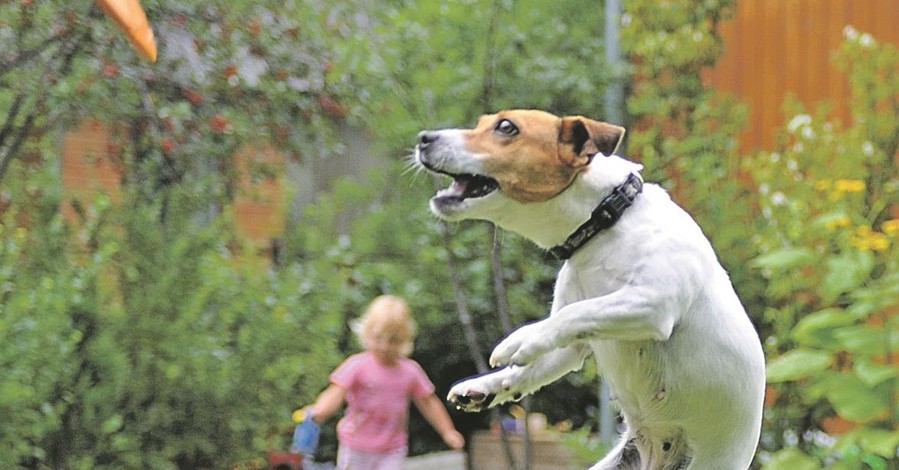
x,y
775,47
86,167
259,206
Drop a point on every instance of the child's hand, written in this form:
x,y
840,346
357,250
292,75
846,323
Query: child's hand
x,y
454,440
300,414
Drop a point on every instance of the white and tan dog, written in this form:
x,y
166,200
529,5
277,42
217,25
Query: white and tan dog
x,y
642,289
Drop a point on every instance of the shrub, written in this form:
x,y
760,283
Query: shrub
x,y
828,240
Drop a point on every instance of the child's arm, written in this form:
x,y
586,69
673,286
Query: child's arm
x,y
432,409
328,402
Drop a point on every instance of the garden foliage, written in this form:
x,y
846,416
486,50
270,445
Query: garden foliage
x,y
828,242
141,333
135,335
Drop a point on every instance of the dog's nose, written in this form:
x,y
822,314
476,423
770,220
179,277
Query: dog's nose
x,y
425,138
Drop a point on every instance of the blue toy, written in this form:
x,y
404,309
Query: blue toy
x,y
305,435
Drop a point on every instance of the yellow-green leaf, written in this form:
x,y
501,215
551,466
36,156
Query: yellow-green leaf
x,y
797,364
855,401
784,258
872,374
882,442
791,459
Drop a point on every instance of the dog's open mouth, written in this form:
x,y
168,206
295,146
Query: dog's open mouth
x,y
468,186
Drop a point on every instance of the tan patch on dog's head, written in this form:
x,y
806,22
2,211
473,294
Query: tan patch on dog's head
x,y
535,155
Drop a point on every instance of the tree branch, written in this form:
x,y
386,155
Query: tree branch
x,y
490,57
452,264
66,55
499,285
26,55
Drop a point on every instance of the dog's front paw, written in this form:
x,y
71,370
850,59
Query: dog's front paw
x,y
522,346
470,399
485,391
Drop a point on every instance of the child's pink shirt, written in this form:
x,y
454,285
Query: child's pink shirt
x,y
378,395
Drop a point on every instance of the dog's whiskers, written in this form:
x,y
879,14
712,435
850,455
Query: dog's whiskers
x,y
411,165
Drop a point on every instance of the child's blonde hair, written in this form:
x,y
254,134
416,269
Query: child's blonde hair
x,y
387,314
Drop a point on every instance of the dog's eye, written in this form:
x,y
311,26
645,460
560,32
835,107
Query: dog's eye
x,y
505,127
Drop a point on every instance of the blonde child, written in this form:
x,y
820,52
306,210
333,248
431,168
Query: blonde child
x,y
377,385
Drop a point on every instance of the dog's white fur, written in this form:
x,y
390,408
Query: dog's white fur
x,y
647,297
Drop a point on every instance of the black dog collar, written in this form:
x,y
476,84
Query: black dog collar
x,y
604,216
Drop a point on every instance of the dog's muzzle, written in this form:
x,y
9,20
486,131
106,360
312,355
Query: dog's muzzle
x,y
425,141
425,138
430,155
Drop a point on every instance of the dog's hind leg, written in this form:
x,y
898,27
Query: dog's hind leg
x,y
623,457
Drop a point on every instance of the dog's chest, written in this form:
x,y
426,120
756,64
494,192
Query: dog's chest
x,y
635,370
605,274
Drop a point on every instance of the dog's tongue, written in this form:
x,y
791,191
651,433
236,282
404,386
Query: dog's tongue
x,y
455,190
465,186
459,185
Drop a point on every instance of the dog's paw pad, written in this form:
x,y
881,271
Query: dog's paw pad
x,y
471,400
471,397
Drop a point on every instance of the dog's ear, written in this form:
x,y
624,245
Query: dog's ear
x,y
580,139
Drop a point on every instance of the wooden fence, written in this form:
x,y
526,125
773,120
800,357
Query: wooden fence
x,y
87,166
776,47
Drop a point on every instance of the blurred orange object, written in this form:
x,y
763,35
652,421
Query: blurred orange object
x,y
834,425
132,19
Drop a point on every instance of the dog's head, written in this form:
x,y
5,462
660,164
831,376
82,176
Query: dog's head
x,y
523,155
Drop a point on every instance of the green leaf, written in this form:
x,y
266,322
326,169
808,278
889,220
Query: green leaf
x,y
816,329
872,374
861,339
111,425
855,401
843,465
797,364
784,258
821,222
882,442
791,459
875,462
845,272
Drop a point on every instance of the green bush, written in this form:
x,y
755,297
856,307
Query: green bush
x,y
130,343
134,337
828,241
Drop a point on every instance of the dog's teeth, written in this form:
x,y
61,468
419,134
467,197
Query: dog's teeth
x,y
456,189
451,191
